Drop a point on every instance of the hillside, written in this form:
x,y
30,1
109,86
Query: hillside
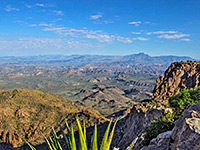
x,y
24,113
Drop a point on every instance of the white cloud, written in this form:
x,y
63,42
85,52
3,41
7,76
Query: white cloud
x,y
162,32
140,39
9,8
124,40
58,12
103,22
33,25
187,40
46,25
98,35
28,6
135,23
64,32
33,43
175,36
136,32
40,5
94,17
101,37
84,33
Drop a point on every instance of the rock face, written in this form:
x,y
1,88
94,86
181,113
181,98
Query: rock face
x,y
186,133
178,76
135,124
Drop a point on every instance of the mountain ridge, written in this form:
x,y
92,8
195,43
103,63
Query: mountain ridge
x,y
136,63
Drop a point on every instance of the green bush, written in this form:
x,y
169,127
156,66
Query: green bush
x,y
160,125
166,122
183,99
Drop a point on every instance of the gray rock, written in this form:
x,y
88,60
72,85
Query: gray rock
x,y
135,124
185,135
161,142
161,139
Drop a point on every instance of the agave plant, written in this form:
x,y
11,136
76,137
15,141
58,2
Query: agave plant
x,y
54,144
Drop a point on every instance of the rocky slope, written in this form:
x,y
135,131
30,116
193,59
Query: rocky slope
x,y
178,76
24,113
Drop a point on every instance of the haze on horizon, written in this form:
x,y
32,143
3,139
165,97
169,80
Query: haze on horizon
x,y
114,27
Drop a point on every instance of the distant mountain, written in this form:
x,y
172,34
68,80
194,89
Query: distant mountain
x,y
137,63
144,58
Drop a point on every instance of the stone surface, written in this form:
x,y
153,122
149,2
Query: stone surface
x,y
135,124
161,142
185,135
161,139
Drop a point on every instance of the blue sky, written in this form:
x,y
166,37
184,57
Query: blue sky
x,y
105,27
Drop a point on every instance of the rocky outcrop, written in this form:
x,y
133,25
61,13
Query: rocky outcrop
x,y
178,76
135,124
186,133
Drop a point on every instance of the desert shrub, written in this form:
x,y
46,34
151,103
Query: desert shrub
x,y
162,124
183,99
166,122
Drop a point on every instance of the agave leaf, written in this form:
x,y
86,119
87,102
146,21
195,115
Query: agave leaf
x,y
111,135
32,148
69,133
84,131
52,143
105,138
47,141
94,139
65,137
73,143
82,145
56,140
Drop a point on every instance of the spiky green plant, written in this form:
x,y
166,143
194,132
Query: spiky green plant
x,y
54,144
